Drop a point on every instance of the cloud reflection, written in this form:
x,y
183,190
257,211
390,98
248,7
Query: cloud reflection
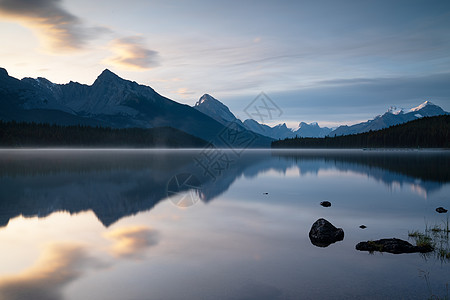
x,y
59,265
131,242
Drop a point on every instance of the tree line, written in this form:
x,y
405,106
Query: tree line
x,y
427,132
22,134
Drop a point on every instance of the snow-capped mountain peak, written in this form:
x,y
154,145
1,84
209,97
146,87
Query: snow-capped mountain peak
x,y
395,110
423,105
392,117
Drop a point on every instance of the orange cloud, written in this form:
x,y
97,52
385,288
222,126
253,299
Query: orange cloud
x,y
131,53
184,92
131,242
56,27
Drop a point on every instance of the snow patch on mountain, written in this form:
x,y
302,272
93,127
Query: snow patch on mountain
x,y
421,106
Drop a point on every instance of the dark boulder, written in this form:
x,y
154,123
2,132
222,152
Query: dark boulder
x,y
441,210
395,246
325,203
323,233
363,226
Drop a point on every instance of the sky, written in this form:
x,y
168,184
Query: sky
x,y
331,62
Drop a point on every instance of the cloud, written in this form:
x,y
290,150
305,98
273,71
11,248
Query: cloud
x,y
184,92
59,29
353,100
59,265
131,53
131,242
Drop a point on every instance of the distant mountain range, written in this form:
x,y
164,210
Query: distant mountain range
x,y
110,102
218,111
221,113
426,132
118,103
390,118
281,131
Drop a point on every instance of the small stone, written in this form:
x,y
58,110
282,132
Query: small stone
x,y
363,226
323,233
265,193
441,210
325,203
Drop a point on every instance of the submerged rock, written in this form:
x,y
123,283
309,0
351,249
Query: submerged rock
x,y
323,233
325,203
441,210
395,246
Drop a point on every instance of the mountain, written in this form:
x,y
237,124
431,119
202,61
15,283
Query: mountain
x,y
222,114
212,107
426,132
279,131
311,130
109,102
392,117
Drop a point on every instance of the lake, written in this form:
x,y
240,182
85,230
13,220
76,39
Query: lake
x,y
217,224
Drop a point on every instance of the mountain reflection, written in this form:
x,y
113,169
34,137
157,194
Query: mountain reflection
x,y
425,171
118,183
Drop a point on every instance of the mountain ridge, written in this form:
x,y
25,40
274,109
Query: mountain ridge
x,y
426,132
110,101
212,107
390,118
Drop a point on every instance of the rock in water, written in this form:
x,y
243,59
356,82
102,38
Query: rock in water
x,y
325,203
441,210
395,246
323,233
363,226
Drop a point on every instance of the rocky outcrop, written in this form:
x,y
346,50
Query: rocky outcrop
x,y
395,246
323,233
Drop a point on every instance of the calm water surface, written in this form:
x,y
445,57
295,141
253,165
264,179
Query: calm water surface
x,y
103,224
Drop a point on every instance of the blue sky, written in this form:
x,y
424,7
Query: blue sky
x,y
334,62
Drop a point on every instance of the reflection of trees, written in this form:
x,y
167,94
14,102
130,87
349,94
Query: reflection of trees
x,y
423,165
119,183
